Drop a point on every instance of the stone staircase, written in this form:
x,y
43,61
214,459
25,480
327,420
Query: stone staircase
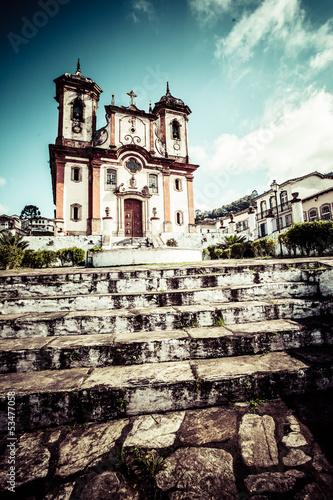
x,y
89,345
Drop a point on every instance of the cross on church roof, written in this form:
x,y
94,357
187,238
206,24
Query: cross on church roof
x,y
132,96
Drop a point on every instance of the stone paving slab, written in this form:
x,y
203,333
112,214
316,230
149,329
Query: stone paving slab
x,y
204,453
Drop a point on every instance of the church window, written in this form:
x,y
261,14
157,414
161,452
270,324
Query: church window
x,y
153,183
325,212
175,130
111,178
76,175
76,212
179,218
78,110
178,185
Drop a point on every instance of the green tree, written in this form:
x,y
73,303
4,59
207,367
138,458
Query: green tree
x,y
30,212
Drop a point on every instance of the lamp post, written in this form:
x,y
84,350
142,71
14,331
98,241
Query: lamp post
x,y
275,187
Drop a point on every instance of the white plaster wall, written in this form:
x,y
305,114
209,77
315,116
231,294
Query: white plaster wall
x,y
145,256
86,126
172,143
317,202
124,135
58,242
311,185
76,192
178,201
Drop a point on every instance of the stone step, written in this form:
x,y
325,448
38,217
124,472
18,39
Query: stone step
x,y
98,302
157,318
40,353
47,282
54,397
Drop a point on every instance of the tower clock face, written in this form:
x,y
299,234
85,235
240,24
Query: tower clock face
x,y
133,166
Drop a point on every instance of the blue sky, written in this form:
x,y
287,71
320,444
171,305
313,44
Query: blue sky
x,y
257,75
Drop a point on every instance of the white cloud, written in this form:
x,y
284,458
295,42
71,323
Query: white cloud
x,y
3,209
299,142
270,21
210,10
145,7
2,181
282,24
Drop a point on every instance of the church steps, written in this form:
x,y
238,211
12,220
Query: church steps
x,y
55,282
79,395
34,324
162,298
66,352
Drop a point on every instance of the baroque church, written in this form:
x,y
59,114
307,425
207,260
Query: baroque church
x,y
131,178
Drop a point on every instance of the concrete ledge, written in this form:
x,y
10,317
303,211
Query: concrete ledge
x,y
128,256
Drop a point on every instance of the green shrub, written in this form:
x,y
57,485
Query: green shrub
x,y
64,256
237,250
10,256
77,256
171,243
73,256
264,247
309,237
96,249
39,258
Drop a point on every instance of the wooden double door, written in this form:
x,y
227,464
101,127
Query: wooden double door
x,y
133,218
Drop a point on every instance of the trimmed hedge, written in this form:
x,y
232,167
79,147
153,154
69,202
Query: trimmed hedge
x,y
39,258
264,247
309,237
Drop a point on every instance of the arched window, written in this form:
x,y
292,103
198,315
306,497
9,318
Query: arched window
x,y
284,198
313,214
76,212
175,130
153,183
325,211
76,174
78,110
272,202
178,185
179,218
263,208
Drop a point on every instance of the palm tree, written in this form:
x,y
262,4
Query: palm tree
x,y
13,240
232,239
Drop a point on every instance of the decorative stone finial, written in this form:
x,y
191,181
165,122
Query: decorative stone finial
x,y
168,89
112,100
150,108
78,69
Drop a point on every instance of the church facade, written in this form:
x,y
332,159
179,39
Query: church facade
x,y
133,177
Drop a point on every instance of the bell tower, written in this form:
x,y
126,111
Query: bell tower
x,y
173,125
78,98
